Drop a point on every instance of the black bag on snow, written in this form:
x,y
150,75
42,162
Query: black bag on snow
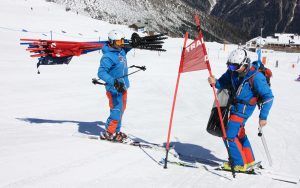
x,y
214,124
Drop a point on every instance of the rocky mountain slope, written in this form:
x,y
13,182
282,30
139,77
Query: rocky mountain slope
x,y
278,16
172,16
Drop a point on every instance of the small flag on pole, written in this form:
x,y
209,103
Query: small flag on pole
x,y
194,57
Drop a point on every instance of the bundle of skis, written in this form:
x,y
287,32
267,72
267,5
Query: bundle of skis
x,y
153,42
53,52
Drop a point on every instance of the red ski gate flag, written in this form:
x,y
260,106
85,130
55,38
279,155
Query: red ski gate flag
x,y
195,57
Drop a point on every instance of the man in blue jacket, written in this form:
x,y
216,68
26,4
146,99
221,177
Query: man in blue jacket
x,y
113,68
246,84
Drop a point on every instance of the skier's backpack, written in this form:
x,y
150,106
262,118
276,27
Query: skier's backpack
x,y
268,74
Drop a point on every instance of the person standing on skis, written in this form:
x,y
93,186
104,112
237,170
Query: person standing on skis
x,y
246,84
112,70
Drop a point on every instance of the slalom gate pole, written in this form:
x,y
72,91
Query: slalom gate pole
x,y
174,99
216,99
261,135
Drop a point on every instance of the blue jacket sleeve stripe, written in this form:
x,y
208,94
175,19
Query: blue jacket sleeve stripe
x,y
265,109
262,88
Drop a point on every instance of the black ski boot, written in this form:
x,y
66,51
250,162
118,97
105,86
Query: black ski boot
x,y
107,136
120,137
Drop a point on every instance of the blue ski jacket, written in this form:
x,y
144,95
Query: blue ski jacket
x,y
113,65
246,89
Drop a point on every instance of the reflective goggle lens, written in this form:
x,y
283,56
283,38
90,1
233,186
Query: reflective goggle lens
x,y
119,42
233,66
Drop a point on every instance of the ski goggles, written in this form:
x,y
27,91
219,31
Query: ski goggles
x,y
233,66
119,42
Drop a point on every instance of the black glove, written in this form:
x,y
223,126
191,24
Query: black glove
x,y
119,86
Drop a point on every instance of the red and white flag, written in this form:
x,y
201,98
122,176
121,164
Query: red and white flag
x,y
195,57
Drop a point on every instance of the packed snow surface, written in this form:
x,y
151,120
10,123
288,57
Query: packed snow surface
x,y
42,115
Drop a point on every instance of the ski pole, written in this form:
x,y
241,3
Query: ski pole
x,y
261,135
96,81
143,68
139,67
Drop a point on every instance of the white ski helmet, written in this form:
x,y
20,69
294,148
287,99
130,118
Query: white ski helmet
x,y
115,35
239,57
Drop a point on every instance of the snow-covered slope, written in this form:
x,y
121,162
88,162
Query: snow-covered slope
x,y
41,115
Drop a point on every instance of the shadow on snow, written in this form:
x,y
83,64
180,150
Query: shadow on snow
x,y
187,152
193,153
89,128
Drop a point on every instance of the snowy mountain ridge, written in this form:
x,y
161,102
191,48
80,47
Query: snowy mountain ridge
x,y
172,16
234,21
